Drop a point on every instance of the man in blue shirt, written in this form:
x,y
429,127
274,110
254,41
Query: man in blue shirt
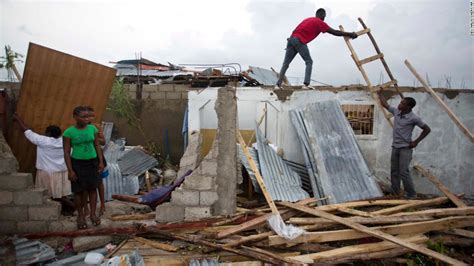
x,y
402,146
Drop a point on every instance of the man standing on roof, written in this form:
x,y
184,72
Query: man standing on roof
x,y
402,145
304,33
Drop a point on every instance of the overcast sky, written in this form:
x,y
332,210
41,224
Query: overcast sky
x,y
433,35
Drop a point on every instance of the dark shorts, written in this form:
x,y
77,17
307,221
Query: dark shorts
x,y
87,175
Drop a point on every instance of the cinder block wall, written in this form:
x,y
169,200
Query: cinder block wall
x,y
161,111
23,209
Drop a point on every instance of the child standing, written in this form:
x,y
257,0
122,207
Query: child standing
x,y
84,163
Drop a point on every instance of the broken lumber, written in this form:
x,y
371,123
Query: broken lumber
x,y
375,233
251,253
127,217
435,213
364,203
250,238
406,228
363,220
355,212
349,251
443,105
156,244
418,204
458,202
460,232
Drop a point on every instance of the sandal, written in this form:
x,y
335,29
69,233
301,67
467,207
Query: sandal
x,y
95,221
81,224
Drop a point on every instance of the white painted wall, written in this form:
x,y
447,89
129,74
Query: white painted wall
x,y
446,150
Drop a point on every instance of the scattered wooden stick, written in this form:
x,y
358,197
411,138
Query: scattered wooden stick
x,y
156,244
116,249
458,202
418,204
135,217
376,233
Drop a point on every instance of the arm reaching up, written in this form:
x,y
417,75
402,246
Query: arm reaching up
x,y
383,101
334,32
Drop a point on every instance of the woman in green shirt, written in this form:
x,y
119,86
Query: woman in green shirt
x,y
84,163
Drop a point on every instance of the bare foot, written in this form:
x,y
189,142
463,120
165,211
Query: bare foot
x,y
102,210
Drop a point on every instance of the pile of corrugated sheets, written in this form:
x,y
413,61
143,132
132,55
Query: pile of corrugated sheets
x,y
333,157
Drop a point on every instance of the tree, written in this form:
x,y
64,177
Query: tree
x,y
8,62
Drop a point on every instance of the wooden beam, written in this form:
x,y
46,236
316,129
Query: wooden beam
x,y
355,212
363,220
421,203
156,244
250,238
256,172
443,105
406,228
370,59
458,202
348,251
461,232
443,212
375,233
361,32
127,217
363,203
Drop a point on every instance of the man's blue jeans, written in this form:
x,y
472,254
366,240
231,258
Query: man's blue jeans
x,y
293,47
400,173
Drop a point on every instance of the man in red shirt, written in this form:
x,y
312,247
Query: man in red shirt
x,y
304,33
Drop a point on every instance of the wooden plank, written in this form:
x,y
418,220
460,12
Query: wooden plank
x,y
364,203
361,32
458,202
155,244
461,232
127,217
363,220
421,203
443,105
370,59
259,178
355,212
249,239
443,212
387,84
406,228
53,84
327,256
376,233
259,221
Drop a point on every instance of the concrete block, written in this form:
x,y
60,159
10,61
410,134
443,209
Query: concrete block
x,y
16,181
13,213
150,88
8,228
85,243
8,163
199,182
188,160
208,168
168,213
68,224
32,226
207,198
44,212
193,213
33,196
185,197
184,95
130,87
166,87
146,95
158,95
6,197
132,94
181,88
170,95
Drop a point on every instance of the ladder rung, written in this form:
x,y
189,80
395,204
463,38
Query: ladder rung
x,y
364,31
387,84
370,59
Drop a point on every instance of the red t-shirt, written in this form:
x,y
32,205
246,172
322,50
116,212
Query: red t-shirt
x,y
309,29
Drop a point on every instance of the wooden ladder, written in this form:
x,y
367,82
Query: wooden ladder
x,y
360,63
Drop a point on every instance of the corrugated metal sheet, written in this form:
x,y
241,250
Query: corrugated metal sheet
x,y
152,73
246,164
135,162
282,183
343,171
107,128
31,252
53,84
204,262
115,183
310,161
301,170
263,76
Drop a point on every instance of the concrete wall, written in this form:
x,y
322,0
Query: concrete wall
x,y
161,110
446,151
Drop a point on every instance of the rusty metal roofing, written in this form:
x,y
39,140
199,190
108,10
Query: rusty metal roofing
x,y
246,164
31,251
263,76
343,171
281,181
